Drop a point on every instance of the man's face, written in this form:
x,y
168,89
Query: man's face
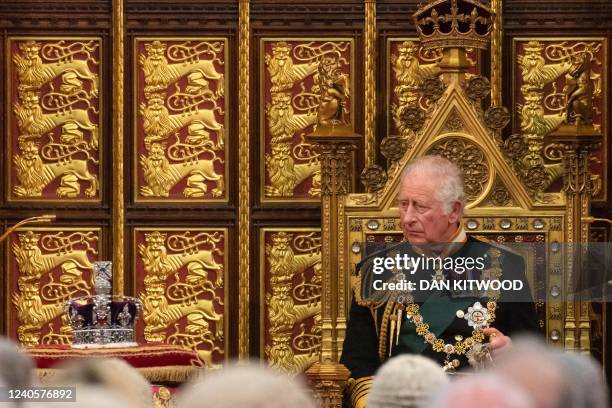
x,y
421,213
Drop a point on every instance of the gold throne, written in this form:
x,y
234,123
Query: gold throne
x,y
505,202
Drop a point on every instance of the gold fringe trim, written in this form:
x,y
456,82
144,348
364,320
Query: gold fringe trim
x,y
359,388
152,374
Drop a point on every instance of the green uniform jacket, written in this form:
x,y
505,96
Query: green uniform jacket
x,y
366,345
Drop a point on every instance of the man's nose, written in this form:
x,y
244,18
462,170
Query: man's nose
x,y
409,215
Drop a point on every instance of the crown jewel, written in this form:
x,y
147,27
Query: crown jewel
x,y
453,23
103,320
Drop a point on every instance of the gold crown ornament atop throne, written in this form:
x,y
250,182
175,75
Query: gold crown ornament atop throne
x,y
103,320
454,23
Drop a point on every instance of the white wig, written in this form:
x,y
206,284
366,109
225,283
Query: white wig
x,y
450,186
405,381
246,386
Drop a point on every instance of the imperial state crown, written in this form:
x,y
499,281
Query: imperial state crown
x,y
103,320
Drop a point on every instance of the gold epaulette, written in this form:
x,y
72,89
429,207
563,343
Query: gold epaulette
x,y
484,240
359,389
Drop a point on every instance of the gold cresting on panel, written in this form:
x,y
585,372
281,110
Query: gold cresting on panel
x,y
54,115
552,76
180,277
291,297
409,65
47,267
293,73
180,125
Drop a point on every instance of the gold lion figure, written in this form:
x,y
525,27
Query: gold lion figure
x,y
33,73
34,175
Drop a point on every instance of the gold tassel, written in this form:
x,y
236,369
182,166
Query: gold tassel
x,y
399,325
391,335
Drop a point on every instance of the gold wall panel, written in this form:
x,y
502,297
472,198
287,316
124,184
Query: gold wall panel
x,y
290,282
408,66
180,276
542,76
54,111
47,267
292,72
181,125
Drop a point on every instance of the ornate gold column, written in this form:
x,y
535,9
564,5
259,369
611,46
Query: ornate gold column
x,y
577,143
337,141
370,81
328,376
118,221
497,31
243,178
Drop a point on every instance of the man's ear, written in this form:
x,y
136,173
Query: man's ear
x,y
456,212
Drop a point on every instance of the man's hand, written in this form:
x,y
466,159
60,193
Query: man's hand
x,y
498,340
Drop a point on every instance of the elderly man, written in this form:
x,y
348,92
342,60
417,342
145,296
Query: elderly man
x,y
449,327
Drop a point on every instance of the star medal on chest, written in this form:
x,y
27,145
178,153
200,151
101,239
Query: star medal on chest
x,y
438,276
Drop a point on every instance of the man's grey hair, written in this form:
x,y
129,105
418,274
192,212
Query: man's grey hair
x,y
246,386
562,379
16,368
114,375
449,178
405,381
481,391
585,382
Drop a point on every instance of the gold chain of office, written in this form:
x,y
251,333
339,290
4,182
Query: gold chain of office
x,y
461,346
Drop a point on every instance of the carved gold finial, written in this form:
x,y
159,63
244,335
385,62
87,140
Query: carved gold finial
x,y
454,24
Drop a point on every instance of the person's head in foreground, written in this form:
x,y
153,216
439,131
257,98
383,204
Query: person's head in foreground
x,y
246,386
480,391
405,381
114,376
552,377
16,367
431,200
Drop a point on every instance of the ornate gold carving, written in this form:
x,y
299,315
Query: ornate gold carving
x,y
477,87
393,148
497,31
333,87
283,72
470,159
118,143
40,280
161,71
244,221
370,81
540,91
182,115
413,69
34,175
579,91
58,87
160,175
373,178
59,59
497,117
328,380
162,398
433,88
454,123
33,122
499,196
439,29
292,165
159,124
412,117
184,290
294,300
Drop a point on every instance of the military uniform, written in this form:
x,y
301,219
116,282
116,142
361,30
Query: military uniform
x,y
373,334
